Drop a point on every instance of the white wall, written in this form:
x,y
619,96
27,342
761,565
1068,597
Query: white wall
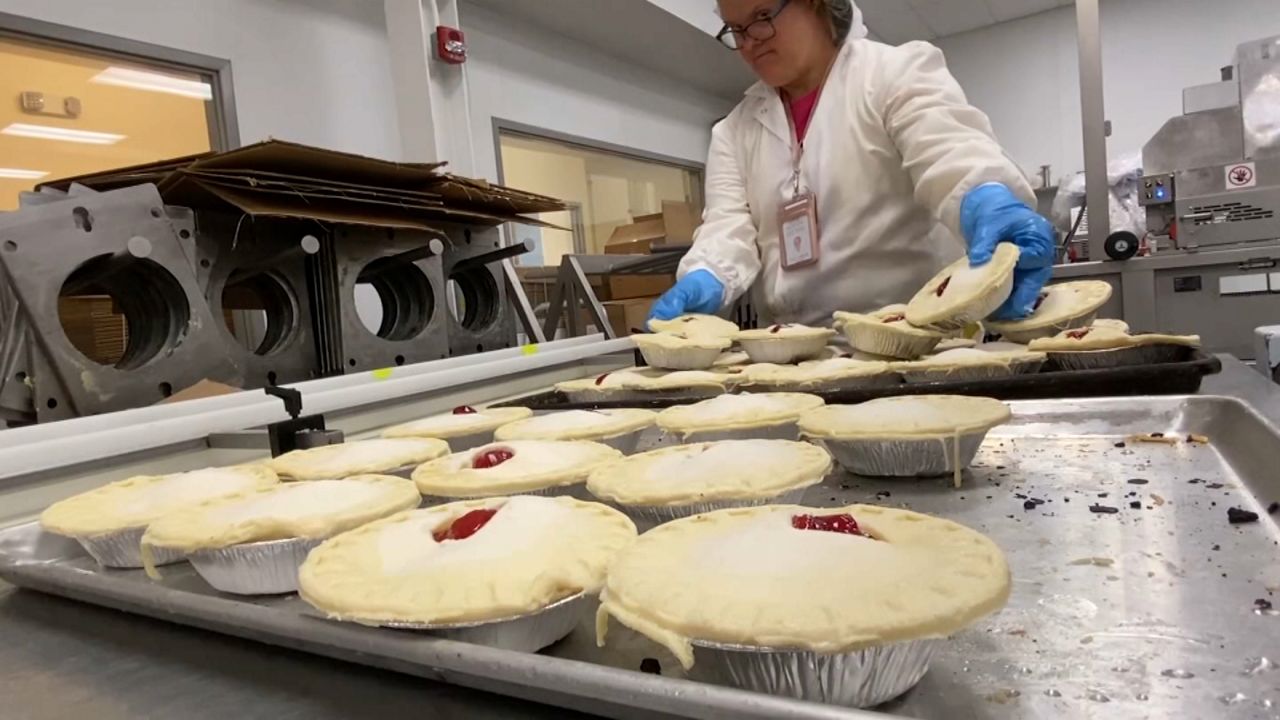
x,y
312,71
518,73
1024,73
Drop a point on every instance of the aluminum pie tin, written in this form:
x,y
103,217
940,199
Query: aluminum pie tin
x,y
404,471
684,358
123,549
269,567
783,350
862,678
703,392
787,430
460,443
1119,357
1025,336
522,633
650,516
860,382
965,374
576,490
626,443
888,342
924,457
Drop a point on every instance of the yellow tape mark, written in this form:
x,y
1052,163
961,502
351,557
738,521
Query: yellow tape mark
x,y
529,350
382,374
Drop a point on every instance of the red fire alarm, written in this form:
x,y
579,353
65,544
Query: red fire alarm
x,y
451,45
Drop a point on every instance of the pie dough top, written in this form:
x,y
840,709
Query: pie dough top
x,y
672,341
746,577
813,372
732,412
650,379
965,286
731,359
786,332
316,509
534,465
358,457
577,425
140,500
727,470
891,318
448,425
906,417
955,343
1060,303
978,356
533,552
694,325
1107,338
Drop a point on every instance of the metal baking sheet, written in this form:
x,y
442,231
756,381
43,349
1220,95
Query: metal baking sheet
x,y
1149,611
1171,378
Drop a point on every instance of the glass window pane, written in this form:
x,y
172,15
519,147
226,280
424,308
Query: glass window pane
x,y
73,112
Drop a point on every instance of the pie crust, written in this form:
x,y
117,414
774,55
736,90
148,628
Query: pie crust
x,y
784,343
449,425
979,362
358,457
677,352
533,552
577,425
138,501
694,325
707,472
1062,306
534,465
747,577
960,294
1104,337
640,382
316,509
814,375
730,359
887,333
907,417
737,412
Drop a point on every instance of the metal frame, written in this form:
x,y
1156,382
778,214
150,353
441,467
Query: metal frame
x,y
224,131
1093,117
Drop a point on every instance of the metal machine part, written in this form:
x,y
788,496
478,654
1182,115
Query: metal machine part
x,y
477,291
119,244
1212,175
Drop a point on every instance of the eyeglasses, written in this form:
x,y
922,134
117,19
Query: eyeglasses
x,y
760,29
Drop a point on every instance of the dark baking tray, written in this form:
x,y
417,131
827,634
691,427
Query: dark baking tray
x,y
1171,378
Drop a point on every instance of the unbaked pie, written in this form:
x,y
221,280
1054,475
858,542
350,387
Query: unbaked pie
x,y
618,429
837,373
694,325
887,333
907,436
677,481
739,417
641,384
473,561
517,466
358,457
1061,306
670,351
1103,346
109,521
961,294
784,343
981,362
794,580
252,542
464,427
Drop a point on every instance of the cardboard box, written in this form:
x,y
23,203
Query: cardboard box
x,y
680,220
673,226
624,315
627,287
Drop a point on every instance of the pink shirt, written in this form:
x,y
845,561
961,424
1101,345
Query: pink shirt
x,y
802,111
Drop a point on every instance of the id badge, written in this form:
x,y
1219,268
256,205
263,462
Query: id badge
x,y
798,225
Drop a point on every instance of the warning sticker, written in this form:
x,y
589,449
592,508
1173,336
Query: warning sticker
x,y
1241,176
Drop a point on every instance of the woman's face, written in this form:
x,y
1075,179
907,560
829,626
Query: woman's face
x,y
800,35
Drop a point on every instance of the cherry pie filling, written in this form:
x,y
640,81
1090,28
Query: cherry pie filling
x,y
1079,334
600,380
897,317
776,329
464,410
942,287
466,525
491,458
842,523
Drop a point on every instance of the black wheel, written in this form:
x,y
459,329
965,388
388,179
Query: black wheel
x,y
1122,245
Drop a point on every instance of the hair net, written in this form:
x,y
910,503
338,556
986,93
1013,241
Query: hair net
x,y
846,18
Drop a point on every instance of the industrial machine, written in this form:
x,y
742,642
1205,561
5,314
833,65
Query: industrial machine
x,y
1211,191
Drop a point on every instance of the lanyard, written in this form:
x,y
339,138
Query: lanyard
x,y
797,145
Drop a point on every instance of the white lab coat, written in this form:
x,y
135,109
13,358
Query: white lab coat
x,y
891,150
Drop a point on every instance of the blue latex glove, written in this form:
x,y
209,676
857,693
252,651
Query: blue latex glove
x,y
698,292
992,214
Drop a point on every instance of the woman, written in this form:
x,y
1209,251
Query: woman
x,y
871,158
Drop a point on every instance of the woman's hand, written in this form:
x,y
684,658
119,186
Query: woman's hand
x,y
992,214
698,292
